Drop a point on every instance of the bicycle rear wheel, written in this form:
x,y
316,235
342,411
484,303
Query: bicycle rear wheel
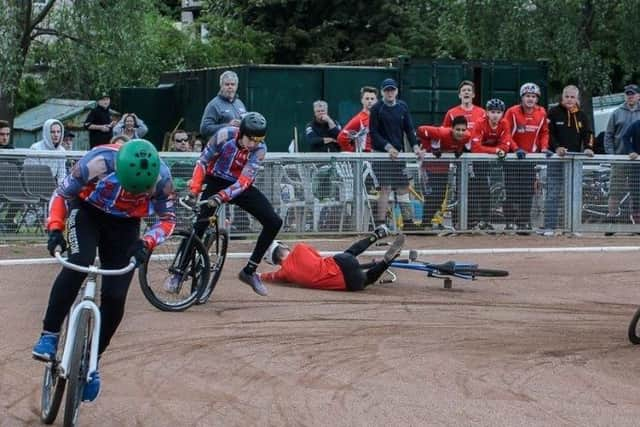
x,y
78,369
634,335
481,272
176,273
217,243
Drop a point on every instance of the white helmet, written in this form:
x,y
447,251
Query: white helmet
x,y
271,251
529,88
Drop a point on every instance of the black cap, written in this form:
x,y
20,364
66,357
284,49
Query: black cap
x,y
69,134
104,95
631,89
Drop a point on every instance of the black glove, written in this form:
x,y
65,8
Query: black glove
x,y
139,251
56,238
521,154
214,201
548,153
458,154
436,153
501,154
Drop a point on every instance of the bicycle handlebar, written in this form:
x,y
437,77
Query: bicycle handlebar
x,y
184,204
94,269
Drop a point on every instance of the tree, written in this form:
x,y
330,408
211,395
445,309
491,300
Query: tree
x,y
20,24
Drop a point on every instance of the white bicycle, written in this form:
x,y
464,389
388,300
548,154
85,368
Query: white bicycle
x,y
79,357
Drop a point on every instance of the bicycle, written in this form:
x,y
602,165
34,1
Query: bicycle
x,y
79,357
445,271
185,257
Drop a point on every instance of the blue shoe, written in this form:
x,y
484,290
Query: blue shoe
x,y
92,387
45,348
254,281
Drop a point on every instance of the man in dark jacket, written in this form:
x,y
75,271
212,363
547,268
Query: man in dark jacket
x,y
569,131
9,209
389,122
99,122
322,132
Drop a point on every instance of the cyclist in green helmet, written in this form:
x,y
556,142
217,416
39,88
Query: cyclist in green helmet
x,y
101,202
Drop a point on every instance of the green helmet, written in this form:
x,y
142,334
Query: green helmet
x,y
137,166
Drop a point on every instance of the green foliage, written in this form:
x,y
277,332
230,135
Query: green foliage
x,y
31,93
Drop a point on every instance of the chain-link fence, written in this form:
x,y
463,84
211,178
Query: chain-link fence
x,y
351,193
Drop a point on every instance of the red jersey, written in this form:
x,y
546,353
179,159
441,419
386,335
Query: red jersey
x,y
488,140
358,125
474,116
528,131
306,267
440,138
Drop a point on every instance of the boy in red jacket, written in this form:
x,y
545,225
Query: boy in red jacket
x,y
527,124
489,137
355,135
437,140
304,266
473,113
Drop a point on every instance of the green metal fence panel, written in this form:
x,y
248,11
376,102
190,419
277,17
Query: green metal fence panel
x,y
342,88
503,79
156,106
284,95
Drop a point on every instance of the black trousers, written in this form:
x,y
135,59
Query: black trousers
x,y
357,276
519,179
434,192
252,201
91,228
479,194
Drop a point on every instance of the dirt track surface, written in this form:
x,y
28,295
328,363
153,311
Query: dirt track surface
x,y
546,346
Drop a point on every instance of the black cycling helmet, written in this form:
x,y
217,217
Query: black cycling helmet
x,y
495,104
253,125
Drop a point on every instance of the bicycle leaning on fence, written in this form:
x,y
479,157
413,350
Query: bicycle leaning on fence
x,y
73,366
185,269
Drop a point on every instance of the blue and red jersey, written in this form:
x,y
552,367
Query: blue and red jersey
x,y
93,179
225,158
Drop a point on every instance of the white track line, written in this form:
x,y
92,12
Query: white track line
x,y
421,252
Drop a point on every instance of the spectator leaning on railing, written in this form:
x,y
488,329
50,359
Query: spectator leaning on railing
x,y
569,131
620,120
527,124
9,209
631,142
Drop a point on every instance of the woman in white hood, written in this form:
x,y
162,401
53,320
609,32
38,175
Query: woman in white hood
x,y
52,132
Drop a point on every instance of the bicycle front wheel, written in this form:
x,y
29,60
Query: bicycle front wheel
x,y
217,243
176,273
481,272
634,335
78,368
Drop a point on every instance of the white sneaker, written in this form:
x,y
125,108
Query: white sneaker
x,y
172,283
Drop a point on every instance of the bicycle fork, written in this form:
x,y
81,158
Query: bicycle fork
x,y
87,303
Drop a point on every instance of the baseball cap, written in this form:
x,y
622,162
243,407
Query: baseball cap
x,y
631,88
389,83
104,95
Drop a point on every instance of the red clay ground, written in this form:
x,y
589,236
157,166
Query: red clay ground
x,y
545,347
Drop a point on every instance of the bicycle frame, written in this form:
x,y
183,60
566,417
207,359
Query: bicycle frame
x,y
433,270
87,303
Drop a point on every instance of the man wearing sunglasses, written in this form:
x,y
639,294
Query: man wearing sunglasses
x,y
181,141
228,166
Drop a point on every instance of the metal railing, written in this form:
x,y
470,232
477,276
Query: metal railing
x,y
335,193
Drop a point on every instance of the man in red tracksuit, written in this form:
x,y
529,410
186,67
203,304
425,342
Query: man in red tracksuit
x,y
527,124
490,136
354,136
473,113
437,140
304,266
